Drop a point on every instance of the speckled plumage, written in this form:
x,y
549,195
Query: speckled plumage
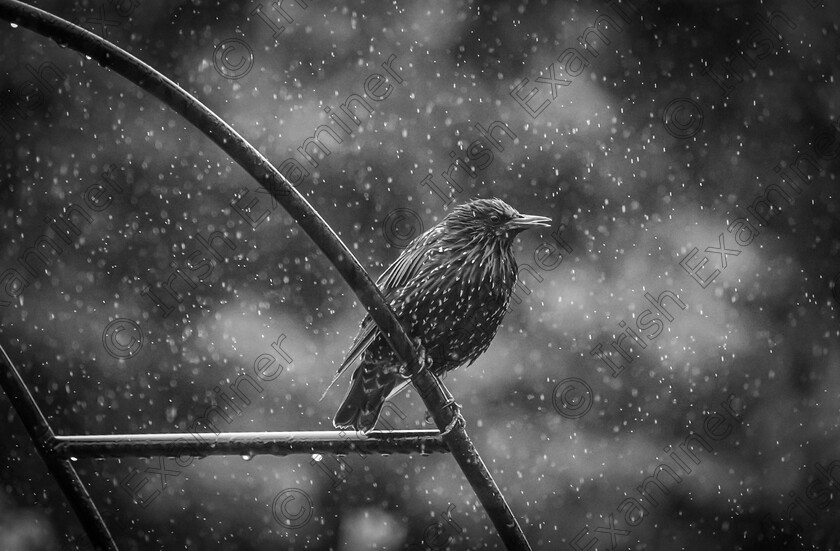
x,y
450,288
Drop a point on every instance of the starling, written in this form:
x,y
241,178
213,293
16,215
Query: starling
x,y
450,288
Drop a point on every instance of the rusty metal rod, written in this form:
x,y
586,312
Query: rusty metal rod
x,y
62,469
249,443
143,75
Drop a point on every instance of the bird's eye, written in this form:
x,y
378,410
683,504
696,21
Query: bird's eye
x,y
495,218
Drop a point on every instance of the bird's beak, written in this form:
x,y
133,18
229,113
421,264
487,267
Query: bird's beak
x,y
526,221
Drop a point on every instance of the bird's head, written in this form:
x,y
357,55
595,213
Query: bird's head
x,y
491,218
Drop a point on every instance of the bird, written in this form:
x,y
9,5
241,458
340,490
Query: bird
x,y
450,289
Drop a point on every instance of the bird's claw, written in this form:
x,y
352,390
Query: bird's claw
x,y
457,418
422,358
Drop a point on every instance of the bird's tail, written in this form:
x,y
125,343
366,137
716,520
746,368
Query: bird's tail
x,y
332,383
363,403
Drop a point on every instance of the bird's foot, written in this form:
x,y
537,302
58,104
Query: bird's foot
x,y
422,359
457,418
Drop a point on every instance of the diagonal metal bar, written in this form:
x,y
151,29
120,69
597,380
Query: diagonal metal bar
x,y
249,443
62,469
430,389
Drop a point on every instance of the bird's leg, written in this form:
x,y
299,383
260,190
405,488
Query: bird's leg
x,y
448,395
456,407
426,362
422,359
450,400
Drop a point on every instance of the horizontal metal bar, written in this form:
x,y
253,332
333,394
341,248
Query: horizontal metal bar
x,y
249,443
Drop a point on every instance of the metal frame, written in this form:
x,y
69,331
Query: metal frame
x,y
437,399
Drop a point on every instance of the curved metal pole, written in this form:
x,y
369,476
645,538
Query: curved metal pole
x,y
62,469
110,56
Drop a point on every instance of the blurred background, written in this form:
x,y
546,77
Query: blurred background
x,y
644,151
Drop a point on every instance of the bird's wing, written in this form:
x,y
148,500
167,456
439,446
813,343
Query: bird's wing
x,y
393,279
408,265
